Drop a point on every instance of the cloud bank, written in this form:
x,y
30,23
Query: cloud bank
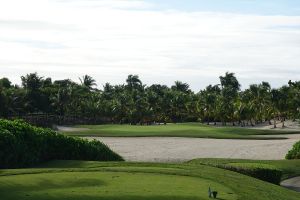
x,y
109,39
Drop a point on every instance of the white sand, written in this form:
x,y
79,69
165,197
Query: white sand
x,y
293,184
289,125
170,149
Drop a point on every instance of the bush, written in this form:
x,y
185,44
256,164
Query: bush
x,y
263,172
24,145
295,152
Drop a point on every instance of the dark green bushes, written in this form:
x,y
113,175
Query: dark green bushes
x,y
295,152
24,145
263,172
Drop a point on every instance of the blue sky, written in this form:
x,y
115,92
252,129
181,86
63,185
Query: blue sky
x,y
263,7
162,41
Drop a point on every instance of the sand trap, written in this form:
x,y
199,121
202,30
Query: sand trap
x,y
293,184
289,125
170,149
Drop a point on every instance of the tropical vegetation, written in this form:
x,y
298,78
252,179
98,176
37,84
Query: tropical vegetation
x,y
294,153
137,103
23,145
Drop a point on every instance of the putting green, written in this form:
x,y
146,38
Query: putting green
x,y
172,130
108,186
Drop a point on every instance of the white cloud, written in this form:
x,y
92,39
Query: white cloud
x,y
110,39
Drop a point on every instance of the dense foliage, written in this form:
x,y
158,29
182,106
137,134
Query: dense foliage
x,y
135,102
294,153
260,171
24,145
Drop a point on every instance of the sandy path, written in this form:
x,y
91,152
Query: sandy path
x,y
172,149
293,184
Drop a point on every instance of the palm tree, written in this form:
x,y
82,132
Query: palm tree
x,y
133,82
230,88
280,102
180,86
88,82
32,84
294,100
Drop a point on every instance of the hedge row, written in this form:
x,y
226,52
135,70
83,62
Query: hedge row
x,y
263,172
295,152
24,145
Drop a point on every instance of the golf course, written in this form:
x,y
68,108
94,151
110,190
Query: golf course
x,y
66,141
67,176
150,100
134,181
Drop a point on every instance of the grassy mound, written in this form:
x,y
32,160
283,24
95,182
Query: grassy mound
x,y
24,145
288,168
106,185
173,130
295,152
81,180
261,171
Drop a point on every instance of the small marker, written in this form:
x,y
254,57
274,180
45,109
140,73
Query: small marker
x,y
209,192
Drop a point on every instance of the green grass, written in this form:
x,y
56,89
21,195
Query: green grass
x,y
174,130
133,181
290,168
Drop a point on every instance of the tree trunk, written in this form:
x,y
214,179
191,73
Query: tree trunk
x,y
275,123
251,122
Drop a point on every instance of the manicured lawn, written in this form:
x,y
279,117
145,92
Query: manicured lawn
x,y
290,168
173,130
133,181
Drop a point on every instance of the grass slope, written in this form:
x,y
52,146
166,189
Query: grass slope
x,y
290,168
135,181
174,130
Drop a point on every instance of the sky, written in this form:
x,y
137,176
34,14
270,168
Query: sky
x,y
194,41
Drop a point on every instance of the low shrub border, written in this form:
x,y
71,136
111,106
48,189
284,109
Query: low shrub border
x,y
263,172
294,153
22,145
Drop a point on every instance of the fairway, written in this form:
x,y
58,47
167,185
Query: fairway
x,y
106,185
172,130
133,181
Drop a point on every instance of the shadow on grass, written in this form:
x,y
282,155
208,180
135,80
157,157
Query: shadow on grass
x,y
47,184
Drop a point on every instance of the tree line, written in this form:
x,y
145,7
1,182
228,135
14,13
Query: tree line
x,y
137,103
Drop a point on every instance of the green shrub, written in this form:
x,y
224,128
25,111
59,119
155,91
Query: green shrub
x,y
295,152
24,145
263,172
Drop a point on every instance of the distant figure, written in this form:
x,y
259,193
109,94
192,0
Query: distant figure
x,y
209,192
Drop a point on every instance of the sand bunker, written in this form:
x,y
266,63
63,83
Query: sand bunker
x,y
293,184
170,149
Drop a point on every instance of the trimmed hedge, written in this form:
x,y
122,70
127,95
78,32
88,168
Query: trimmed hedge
x,y
263,172
24,145
294,153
